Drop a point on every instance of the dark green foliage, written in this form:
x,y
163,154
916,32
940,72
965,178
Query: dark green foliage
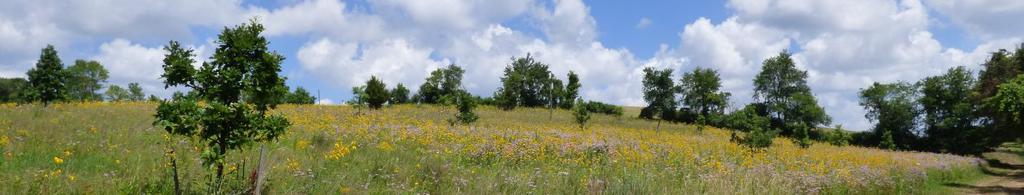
x,y
465,103
399,95
572,91
553,92
801,135
444,83
659,92
117,93
1001,68
177,65
759,138
524,84
581,114
1009,103
949,113
135,92
893,108
153,98
300,96
887,141
746,119
241,68
701,96
13,89
358,96
783,90
376,93
602,108
48,78
85,79
750,119
837,136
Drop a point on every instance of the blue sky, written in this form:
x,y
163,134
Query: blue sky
x,y
332,45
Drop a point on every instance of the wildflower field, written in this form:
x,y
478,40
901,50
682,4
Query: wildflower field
x,y
106,148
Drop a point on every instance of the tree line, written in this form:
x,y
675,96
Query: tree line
x,y
955,112
50,81
526,82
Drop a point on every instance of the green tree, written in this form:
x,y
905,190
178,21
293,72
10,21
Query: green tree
x,y
581,113
300,96
13,89
465,103
116,93
358,96
554,92
805,114
399,95
48,78
241,66
85,79
659,92
702,96
950,113
778,86
572,90
887,140
444,83
893,108
1009,104
523,84
1000,68
751,120
376,93
135,92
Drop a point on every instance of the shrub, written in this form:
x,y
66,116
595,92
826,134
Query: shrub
x,y
603,108
759,138
376,93
581,114
465,103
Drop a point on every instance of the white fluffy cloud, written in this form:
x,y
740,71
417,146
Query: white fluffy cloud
x,y
985,19
844,46
476,41
351,64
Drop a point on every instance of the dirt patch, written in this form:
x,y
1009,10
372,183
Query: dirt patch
x,y
1005,172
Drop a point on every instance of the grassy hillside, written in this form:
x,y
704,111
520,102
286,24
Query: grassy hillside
x,y
113,148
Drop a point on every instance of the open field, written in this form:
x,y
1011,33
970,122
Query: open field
x,y
109,148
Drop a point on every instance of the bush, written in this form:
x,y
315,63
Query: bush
x,y
837,136
603,108
582,113
759,138
465,103
746,119
376,93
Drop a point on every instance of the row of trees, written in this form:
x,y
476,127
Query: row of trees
x,y
49,81
525,83
783,102
954,112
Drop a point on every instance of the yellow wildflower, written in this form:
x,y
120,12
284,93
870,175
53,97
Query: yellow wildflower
x,y
57,160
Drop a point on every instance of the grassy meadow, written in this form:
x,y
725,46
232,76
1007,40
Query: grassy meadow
x,y
112,148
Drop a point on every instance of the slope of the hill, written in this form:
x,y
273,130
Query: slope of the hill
x,y
113,148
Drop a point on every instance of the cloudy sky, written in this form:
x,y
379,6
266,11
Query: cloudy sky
x,y
332,45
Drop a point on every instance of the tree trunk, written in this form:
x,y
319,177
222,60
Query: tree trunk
x,y
174,167
659,125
